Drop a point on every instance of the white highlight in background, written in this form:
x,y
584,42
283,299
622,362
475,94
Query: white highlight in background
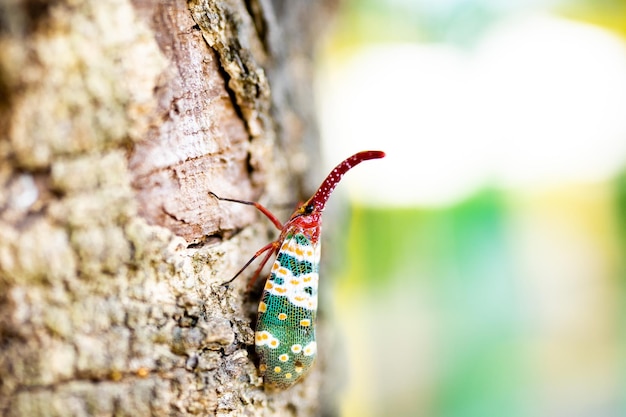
x,y
539,102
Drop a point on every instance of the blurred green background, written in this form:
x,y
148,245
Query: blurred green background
x,y
480,271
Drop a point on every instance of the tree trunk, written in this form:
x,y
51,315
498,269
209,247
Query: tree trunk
x,y
118,118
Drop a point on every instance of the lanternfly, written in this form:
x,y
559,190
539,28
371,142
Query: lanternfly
x,y
285,332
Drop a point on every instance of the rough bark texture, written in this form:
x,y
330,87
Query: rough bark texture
x,y
117,118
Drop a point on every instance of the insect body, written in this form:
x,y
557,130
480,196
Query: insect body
x,y
285,333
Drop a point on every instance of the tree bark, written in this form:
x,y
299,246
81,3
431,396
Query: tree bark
x,y
117,119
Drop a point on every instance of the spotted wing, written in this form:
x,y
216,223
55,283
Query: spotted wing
x,y
285,334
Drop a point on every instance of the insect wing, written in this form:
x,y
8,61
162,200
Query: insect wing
x,y
285,334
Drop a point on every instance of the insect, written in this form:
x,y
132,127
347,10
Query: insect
x,y
285,332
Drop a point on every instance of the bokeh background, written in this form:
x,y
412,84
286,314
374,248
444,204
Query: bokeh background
x,y
481,268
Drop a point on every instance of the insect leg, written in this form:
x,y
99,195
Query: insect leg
x,y
260,268
266,248
259,207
